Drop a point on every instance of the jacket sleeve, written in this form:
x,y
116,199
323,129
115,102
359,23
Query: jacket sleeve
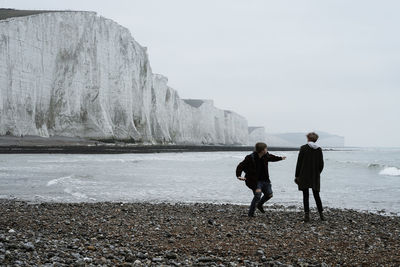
x,y
299,162
241,167
273,158
321,161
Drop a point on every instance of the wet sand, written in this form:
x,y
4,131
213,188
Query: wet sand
x,y
143,234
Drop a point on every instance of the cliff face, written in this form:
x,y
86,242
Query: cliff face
x,y
78,74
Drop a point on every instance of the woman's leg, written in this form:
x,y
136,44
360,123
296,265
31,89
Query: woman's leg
x,y
306,205
318,200
319,204
305,200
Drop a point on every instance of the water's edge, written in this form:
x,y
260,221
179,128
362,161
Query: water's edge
x,y
273,207
118,149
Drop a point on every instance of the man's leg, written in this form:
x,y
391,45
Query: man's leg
x,y
306,205
267,191
254,202
319,204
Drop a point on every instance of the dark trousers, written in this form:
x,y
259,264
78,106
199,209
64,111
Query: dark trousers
x,y
317,198
266,189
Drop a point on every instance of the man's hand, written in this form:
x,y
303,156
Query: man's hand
x,y
242,178
283,158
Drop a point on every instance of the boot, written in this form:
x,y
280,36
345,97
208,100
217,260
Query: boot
x,y
321,216
260,208
307,217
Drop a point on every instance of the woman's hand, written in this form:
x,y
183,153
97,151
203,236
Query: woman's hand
x,y
283,158
242,178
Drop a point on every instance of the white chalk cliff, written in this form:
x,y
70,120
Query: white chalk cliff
x,y
79,74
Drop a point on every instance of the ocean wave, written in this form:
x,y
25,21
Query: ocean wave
x,y
70,179
390,171
376,165
373,165
58,180
76,194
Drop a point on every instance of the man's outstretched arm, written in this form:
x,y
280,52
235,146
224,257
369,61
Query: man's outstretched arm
x,y
274,158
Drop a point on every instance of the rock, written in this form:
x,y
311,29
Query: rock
x,y
171,255
8,255
205,259
76,255
80,262
140,255
130,257
11,231
87,259
29,246
260,252
157,259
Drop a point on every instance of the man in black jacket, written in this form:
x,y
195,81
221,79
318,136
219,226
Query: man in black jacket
x,y
256,177
310,164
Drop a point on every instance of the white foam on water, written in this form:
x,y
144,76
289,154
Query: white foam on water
x,y
390,171
75,194
58,180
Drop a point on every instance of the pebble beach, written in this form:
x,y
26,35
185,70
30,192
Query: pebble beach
x,y
145,234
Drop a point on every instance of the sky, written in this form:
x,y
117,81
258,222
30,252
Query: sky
x,y
291,66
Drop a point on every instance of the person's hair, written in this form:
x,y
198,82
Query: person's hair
x,y
260,147
313,137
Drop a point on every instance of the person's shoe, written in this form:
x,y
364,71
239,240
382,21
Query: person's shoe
x,y
307,217
260,208
251,215
322,217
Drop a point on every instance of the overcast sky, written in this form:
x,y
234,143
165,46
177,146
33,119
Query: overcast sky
x,y
287,65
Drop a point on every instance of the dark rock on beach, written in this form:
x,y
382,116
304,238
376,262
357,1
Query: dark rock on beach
x,y
143,234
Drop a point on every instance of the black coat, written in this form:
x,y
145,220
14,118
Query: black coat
x,y
310,164
248,166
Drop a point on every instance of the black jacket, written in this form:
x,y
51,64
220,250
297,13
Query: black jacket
x,y
310,164
248,165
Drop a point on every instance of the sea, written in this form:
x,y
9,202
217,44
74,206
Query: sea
x,y
359,179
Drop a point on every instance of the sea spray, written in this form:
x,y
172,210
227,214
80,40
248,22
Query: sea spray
x,y
390,171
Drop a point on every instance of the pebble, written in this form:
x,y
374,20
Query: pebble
x,y
29,246
260,252
171,255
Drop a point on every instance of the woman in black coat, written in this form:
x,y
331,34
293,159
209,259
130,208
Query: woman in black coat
x,y
310,164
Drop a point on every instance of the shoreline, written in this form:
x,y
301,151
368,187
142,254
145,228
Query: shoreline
x,y
271,206
144,234
77,145
122,149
